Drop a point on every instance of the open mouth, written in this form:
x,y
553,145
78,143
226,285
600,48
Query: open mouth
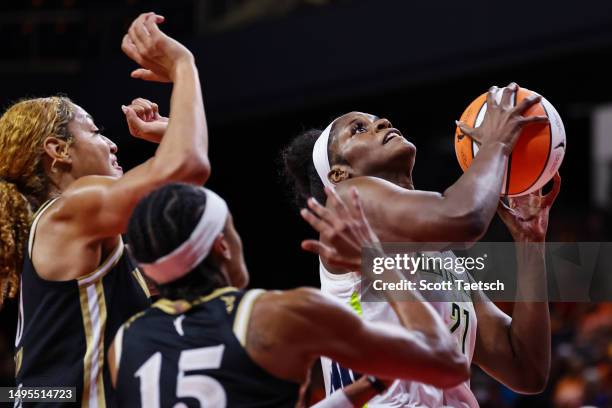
x,y
116,165
392,133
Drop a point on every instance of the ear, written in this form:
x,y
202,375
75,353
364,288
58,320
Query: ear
x,y
57,150
340,172
221,249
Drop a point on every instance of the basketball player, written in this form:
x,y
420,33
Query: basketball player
x,y
362,151
77,285
207,343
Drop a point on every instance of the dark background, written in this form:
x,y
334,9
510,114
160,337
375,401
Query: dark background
x,y
272,68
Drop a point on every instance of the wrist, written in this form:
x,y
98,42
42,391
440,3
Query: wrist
x,y
182,66
531,249
504,148
528,239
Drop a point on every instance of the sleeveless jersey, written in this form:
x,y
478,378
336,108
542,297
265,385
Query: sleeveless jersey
x,y
192,354
459,316
65,327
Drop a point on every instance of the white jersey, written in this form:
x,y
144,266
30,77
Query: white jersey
x,y
460,317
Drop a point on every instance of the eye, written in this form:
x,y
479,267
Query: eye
x,y
358,128
99,130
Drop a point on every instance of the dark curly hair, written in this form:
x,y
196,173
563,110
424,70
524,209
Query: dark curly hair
x,y
160,223
299,172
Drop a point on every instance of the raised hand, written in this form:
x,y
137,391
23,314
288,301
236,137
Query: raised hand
x,y
144,120
503,122
157,54
527,216
345,230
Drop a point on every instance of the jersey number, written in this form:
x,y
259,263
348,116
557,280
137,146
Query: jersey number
x,y
205,389
456,316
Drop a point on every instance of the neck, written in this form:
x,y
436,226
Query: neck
x,y
401,179
59,183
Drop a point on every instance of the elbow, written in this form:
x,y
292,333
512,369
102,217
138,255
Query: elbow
x,y
472,226
192,170
538,385
534,383
200,171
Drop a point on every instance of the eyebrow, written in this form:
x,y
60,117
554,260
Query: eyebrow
x,y
359,118
353,121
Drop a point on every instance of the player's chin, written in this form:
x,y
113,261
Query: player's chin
x,y
404,148
410,147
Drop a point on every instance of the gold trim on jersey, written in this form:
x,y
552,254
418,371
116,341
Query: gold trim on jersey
x,y
93,311
100,271
101,361
18,360
141,281
129,321
174,307
243,314
108,264
118,347
214,294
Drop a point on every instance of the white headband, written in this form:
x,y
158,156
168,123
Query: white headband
x,y
191,252
320,158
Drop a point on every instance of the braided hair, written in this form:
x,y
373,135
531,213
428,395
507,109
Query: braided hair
x,y
160,223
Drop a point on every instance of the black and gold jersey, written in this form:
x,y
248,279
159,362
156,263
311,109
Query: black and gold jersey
x,y
191,354
65,327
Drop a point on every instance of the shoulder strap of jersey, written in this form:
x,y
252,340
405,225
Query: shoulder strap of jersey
x,y
37,216
243,314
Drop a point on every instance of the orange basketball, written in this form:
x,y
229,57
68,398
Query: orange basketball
x,y
537,155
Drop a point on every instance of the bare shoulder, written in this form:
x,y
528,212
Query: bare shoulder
x,y
376,188
365,183
294,312
88,185
83,196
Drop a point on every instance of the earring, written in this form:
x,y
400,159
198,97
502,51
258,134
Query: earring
x,y
337,175
64,156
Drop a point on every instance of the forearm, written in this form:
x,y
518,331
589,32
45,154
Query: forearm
x,y
477,190
412,310
187,135
418,316
530,328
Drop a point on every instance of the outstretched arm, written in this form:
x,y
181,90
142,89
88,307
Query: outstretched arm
x,y
463,212
516,350
314,325
347,231
101,206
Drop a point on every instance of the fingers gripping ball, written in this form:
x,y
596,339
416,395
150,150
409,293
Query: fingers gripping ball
x,y
537,154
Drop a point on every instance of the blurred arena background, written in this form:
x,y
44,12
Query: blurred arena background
x,y
271,68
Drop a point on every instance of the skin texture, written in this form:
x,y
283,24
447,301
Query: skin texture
x,y
227,248
301,325
381,169
96,200
398,213
523,361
